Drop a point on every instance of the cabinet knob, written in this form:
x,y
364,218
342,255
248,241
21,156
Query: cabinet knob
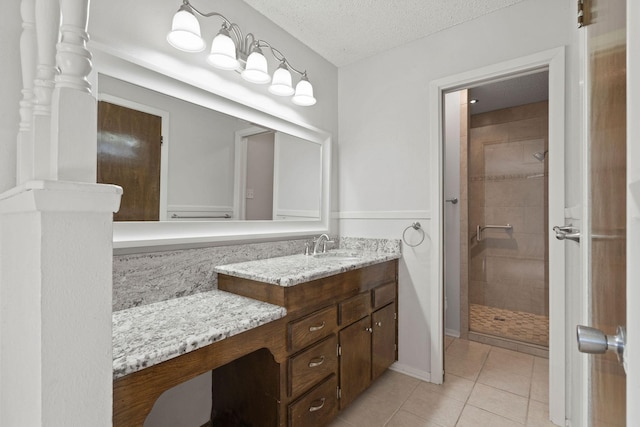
x,y
370,330
316,362
314,408
378,324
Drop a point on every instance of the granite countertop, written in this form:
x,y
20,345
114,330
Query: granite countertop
x,y
150,334
295,269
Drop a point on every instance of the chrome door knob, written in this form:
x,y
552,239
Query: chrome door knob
x,y
594,341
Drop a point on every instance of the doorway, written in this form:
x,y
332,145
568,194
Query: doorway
x,y
496,189
553,61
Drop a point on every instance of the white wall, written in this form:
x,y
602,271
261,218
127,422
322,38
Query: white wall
x,y
10,85
384,125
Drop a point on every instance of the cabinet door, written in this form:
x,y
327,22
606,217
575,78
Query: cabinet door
x,y
383,350
355,360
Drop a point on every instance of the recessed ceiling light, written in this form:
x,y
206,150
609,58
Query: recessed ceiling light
x,y
473,101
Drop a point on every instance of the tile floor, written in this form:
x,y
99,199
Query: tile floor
x,y
484,386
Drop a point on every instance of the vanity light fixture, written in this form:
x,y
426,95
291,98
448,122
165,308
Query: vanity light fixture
x,y
231,50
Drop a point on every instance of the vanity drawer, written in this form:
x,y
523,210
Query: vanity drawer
x,y
355,308
383,295
317,407
311,328
312,365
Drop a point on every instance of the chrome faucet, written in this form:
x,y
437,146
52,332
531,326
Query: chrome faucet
x,y
323,239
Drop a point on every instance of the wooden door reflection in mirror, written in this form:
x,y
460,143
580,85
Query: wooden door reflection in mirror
x,y
129,143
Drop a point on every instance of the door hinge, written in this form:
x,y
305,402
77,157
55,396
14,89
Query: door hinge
x,y
161,140
583,13
395,316
339,350
338,393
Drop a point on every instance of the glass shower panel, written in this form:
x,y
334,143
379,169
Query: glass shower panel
x,y
508,274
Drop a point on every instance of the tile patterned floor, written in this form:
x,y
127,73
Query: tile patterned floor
x,y
484,386
515,325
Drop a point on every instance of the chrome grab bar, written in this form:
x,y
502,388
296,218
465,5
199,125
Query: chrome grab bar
x,y
481,228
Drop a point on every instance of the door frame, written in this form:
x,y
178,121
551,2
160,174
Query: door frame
x,y
554,61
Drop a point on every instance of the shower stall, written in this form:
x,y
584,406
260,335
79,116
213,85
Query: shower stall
x,y
505,227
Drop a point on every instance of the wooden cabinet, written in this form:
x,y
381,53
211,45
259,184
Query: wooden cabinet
x,y
367,348
355,360
383,340
341,335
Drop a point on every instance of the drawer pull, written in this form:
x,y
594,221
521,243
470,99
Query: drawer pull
x,y
316,328
316,362
318,407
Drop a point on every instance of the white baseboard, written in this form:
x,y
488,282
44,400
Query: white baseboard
x,y
412,372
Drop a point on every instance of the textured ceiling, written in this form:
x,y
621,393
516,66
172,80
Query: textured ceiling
x,y
344,31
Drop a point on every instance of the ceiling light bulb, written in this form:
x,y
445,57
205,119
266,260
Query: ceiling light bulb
x,y
185,31
304,93
281,84
223,52
256,70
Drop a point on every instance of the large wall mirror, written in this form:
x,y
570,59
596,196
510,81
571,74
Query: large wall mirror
x,y
198,168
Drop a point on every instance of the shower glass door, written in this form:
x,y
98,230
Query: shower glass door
x,y
508,246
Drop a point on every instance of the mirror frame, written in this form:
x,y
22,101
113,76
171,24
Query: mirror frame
x,y
136,236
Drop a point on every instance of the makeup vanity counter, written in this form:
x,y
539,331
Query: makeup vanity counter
x,y
151,334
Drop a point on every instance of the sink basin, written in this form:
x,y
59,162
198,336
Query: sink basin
x,y
339,255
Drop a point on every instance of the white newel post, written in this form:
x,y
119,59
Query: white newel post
x,y
57,240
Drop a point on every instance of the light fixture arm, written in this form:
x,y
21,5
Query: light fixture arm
x,y
280,57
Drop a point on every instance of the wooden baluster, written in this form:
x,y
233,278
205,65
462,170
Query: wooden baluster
x,y
47,30
75,109
28,59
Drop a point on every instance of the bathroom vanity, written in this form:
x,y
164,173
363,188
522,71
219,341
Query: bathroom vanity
x,y
291,341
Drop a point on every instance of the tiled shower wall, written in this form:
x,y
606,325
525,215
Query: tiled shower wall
x,y
508,185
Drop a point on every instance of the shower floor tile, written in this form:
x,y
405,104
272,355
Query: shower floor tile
x,y
515,325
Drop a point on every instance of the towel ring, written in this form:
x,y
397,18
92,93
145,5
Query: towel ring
x,y
415,226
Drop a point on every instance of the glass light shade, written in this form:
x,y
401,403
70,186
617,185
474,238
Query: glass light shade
x,y
223,52
281,83
304,93
256,70
185,32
